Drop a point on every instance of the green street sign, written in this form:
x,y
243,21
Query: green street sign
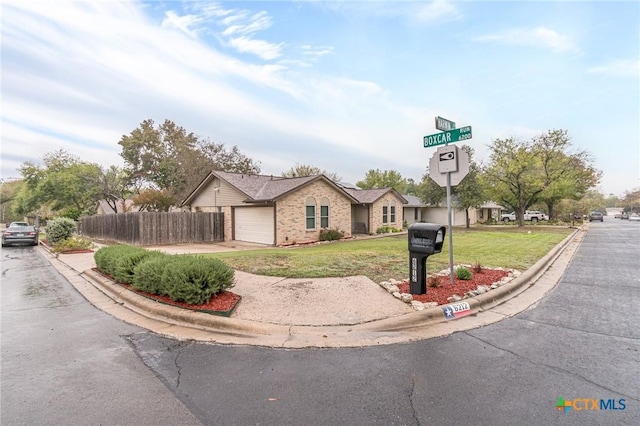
x,y
449,136
444,124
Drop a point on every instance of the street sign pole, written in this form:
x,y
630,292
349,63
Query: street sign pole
x,y
450,161
450,230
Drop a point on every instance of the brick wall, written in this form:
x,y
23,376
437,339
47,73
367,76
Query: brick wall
x,y
291,214
375,214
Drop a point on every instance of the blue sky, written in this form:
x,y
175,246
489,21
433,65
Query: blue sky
x,y
345,86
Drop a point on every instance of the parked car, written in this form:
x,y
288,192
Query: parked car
x,y
532,215
19,234
12,224
634,217
624,216
596,216
618,216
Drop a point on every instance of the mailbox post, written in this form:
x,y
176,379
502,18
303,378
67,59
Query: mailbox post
x,y
425,239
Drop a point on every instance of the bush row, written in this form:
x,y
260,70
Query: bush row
x,y
183,278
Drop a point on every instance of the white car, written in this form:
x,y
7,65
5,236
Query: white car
x,y
634,217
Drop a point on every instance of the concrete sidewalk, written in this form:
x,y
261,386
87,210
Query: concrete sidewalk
x,y
328,312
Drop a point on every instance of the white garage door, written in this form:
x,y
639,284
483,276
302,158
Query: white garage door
x,y
254,224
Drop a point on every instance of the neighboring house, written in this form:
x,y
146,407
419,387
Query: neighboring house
x,y
123,206
417,211
376,208
488,210
281,211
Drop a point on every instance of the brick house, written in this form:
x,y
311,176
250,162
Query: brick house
x,y
280,211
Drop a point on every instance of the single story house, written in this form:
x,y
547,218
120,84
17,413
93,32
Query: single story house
x,y
487,211
417,211
281,211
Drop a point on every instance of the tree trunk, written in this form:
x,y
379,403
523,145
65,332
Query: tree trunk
x,y
520,214
551,212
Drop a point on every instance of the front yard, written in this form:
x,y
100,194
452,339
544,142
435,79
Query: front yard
x,y
384,258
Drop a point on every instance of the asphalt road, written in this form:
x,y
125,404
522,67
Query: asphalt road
x,y
65,362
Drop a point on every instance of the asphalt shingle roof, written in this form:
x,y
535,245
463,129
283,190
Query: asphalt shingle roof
x,y
260,188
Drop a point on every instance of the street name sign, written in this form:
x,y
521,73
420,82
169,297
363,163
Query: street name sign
x,y
444,124
448,136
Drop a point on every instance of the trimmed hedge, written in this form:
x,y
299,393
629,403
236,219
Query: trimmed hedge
x,y
125,265
194,279
147,275
107,257
184,278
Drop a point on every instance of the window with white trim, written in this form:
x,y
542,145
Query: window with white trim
x,y
385,212
310,212
324,213
393,212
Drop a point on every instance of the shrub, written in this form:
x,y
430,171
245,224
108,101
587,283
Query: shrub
x,y
73,243
331,234
386,229
477,267
194,279
463,273
125,265
107,257
60,229
147,274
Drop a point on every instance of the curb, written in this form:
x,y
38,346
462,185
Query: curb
x,y
184,324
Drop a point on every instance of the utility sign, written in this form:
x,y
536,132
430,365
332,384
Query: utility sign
x,y
447,159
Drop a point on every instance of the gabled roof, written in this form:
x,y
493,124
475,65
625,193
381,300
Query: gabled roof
x,y
260,188
368,196
413,201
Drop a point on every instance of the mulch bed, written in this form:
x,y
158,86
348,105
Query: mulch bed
x,y
460,287
221,304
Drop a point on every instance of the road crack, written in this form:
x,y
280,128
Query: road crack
x,y
554,368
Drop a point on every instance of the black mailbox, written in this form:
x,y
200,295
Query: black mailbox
x,y
425,239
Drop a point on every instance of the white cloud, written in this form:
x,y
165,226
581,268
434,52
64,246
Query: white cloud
x,y
537,37
621,68
261,48
256,22
436,11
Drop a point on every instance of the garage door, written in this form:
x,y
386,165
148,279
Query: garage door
x,y
254,224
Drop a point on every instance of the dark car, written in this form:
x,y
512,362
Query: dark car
x,y
20,235
596,216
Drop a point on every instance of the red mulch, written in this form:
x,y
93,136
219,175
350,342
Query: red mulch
x,y
222,303
459,287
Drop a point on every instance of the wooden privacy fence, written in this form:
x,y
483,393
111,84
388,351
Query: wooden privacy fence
x,y
155,228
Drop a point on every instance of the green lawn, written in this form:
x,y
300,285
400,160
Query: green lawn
x,y
388,257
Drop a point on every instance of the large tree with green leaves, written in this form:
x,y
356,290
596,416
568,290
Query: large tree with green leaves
x,y
568,173
383,179
65,184
513,177
167,157
542,170
301,170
